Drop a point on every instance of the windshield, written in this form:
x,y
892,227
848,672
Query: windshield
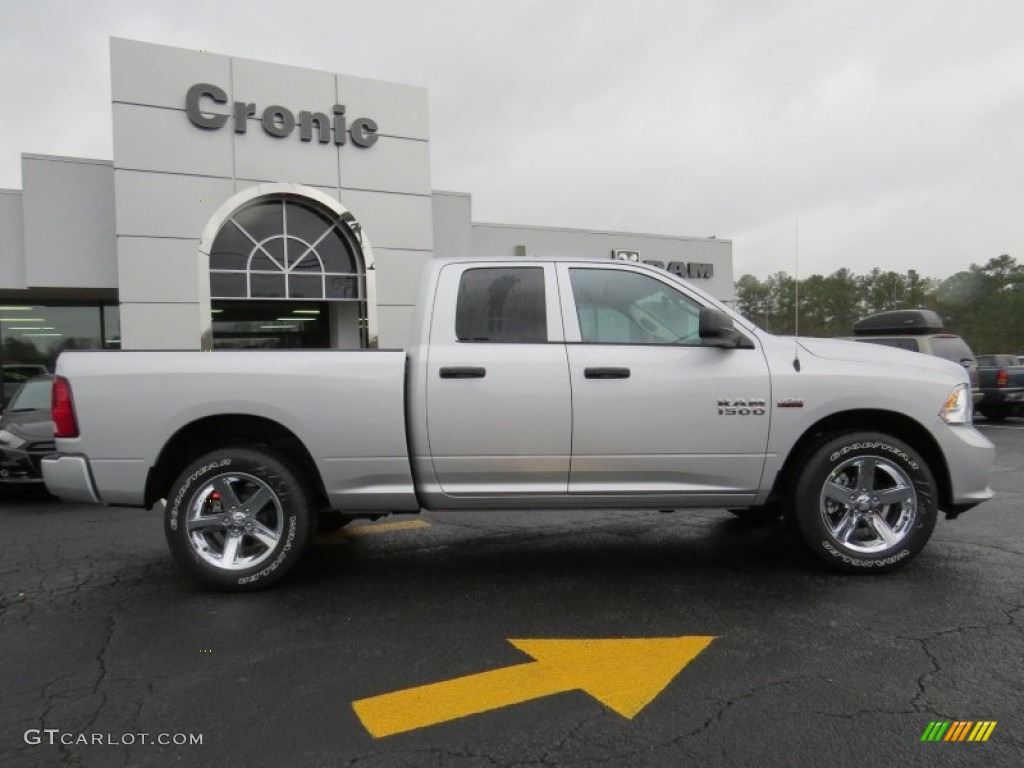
x,y
34,395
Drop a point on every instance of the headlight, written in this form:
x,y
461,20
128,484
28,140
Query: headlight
x,y
10,439
959,406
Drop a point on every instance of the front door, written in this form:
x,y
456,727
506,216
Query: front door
x,y
648,413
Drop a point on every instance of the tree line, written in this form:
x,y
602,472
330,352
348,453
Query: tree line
x,y
984,303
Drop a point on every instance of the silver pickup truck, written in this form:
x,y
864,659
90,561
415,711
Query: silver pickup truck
x,y
531,385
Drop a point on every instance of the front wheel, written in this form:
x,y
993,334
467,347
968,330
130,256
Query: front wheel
x,y
237,519
865,501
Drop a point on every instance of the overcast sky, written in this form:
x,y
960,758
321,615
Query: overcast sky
x,y
892,131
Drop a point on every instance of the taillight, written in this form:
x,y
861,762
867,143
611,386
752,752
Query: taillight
x,y
1002,378
63,409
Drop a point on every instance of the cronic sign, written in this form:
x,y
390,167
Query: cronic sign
x,y
280,121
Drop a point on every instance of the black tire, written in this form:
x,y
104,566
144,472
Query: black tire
x,y
995,414
239,503
864,502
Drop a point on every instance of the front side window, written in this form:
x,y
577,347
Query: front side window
x,y
619,307
503,304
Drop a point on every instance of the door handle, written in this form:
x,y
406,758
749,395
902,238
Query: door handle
x,y
606,373
463,373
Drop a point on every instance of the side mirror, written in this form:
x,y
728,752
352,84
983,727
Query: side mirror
x,y
716,329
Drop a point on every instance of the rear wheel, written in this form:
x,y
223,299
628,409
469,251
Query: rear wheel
x,y
237,519
865,501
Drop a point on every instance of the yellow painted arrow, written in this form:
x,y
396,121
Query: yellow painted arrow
x,y
623,674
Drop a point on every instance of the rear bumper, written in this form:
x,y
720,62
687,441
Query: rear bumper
x,y
19,466
68,477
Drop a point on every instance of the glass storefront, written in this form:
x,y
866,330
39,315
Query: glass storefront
x,y
32,335
270,325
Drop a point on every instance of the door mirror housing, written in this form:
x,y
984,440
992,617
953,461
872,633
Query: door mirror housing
x,y
716,329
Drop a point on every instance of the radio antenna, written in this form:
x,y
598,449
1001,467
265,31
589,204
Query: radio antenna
x,y
796,296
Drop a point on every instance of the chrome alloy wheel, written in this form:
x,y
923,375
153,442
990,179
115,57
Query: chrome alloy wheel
x,y
869,504
235,521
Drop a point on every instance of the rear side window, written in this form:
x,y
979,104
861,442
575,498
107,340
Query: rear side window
x,y
502,304
34,395
910,344
951,348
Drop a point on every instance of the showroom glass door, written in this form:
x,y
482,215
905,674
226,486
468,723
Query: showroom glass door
x,y
270,325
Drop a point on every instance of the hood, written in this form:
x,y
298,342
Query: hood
x,y
862,352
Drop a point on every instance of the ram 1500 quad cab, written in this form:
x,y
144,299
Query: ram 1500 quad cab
x,y
529,385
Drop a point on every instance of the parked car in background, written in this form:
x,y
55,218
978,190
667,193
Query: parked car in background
x,y
919,330
26,432
16,374
1002,386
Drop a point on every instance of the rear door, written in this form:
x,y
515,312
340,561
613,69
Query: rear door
x,y
654,412
498,405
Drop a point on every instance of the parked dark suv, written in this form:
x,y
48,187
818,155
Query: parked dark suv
x,y
919,330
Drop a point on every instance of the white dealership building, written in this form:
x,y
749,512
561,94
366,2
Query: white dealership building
x,y
254,204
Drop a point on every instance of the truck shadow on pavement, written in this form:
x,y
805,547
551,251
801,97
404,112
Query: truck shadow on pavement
x,y
624,549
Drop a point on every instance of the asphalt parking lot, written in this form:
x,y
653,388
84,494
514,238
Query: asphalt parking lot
x,y
107,649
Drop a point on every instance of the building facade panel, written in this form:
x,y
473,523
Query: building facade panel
x,y
294,88
398,275
399,110
68,220
165,204
501,240
158,270
12,241
263,157
160,76
243,184
453,227
393,165
161,326
401,222
395,325
163,140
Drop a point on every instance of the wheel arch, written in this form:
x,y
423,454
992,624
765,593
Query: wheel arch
x,y
215,432
892,423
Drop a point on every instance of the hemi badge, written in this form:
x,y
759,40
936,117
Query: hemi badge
x,y
790,403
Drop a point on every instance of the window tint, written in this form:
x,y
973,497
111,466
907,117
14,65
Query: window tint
x,y
617,307
951,348
908,344
502,305
35,395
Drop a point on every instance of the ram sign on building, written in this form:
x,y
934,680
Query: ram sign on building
x,y
250,204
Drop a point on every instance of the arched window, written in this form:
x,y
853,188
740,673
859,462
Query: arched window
x,y
285,247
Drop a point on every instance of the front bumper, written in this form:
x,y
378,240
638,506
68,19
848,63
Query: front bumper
x,y
68,477
969,457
